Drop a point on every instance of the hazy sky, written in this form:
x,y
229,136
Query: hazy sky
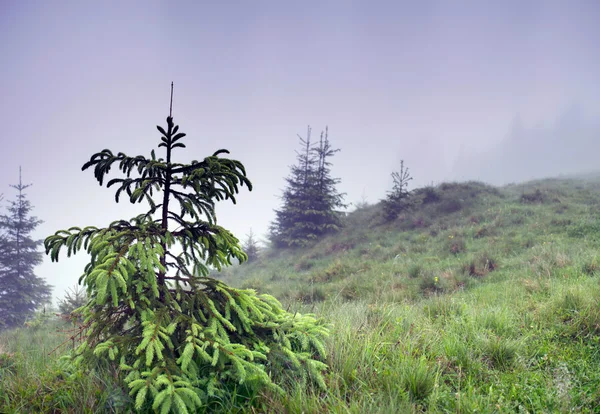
x,y
436,83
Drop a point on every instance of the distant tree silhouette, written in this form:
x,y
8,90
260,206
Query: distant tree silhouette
x,y
397,200
21,291
250,247
74,298
311,201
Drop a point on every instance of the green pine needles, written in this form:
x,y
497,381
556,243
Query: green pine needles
x,y
310,200
178,338
22,292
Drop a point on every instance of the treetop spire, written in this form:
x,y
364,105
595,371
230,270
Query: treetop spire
x,y
171,104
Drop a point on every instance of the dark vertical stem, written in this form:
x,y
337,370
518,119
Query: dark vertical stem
x,y
307,158
19,224
171,104
165,204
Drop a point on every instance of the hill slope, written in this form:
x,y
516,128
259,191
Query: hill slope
x,y
481,299
465,234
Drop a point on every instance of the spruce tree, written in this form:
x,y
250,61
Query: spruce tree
x,y
74,298
177,337
294,221
328,199
398,199
310,200
250,247
21,290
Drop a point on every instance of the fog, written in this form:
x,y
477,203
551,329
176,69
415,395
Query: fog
x,y
567,145
496,91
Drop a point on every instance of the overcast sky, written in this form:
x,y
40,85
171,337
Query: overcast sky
x,y
444,85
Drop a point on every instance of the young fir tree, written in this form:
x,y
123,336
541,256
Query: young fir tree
x,y
21,291
397,200
250,247
74,298
178,337
311,200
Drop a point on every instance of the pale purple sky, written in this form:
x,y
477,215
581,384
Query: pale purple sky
x,y
436,83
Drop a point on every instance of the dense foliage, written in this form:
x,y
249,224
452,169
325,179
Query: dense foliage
x,y
21,290
311,201
177,337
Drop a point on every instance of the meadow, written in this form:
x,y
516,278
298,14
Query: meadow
x,y
480,299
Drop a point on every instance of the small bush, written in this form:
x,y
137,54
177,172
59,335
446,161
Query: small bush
x,y
469,189
480,266
536,197
449,206
419,222
591,267
426,195
456,245
415,270
349,292
481,232
475,219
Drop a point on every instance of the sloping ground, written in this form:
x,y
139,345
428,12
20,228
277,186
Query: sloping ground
x,y
481,299
463,235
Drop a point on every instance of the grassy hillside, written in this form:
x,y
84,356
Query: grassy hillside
x,y
480,299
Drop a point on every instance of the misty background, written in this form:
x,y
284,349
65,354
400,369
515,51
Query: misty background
x,y
494,91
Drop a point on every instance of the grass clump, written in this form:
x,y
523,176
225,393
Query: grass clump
x,y
418,378
502,353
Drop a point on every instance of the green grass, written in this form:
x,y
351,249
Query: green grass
x,y
481,300
32,380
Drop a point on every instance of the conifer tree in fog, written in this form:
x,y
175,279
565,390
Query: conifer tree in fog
x,y
74,298
21,290
328,200
397,200
250,247
310,200
176,338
